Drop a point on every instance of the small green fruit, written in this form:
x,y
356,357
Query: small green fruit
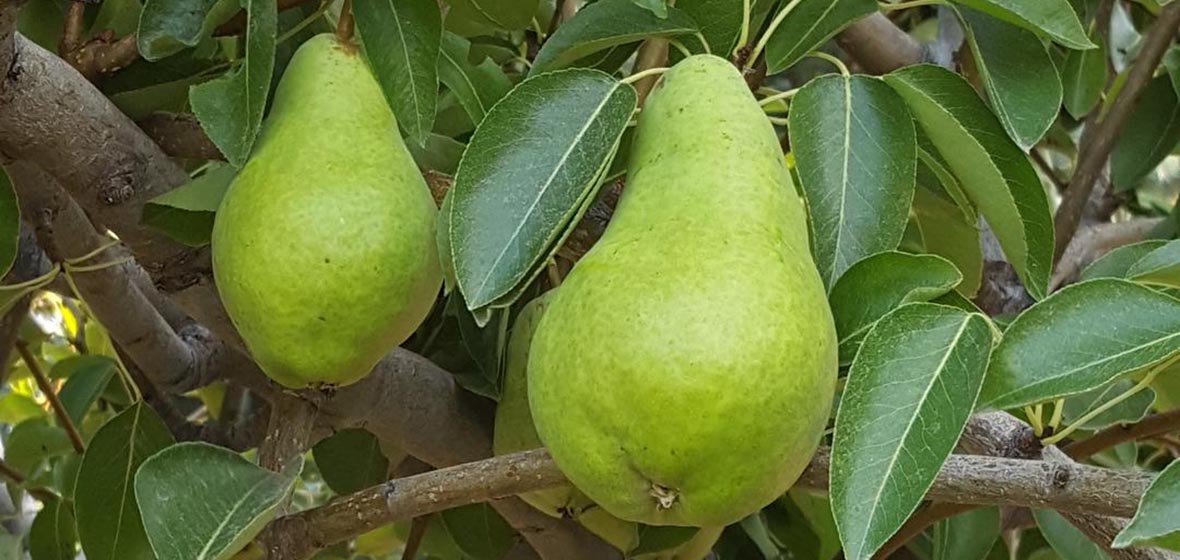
x,y
684,370
323,247
514,432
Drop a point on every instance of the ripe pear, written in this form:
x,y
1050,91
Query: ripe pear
x,y
684,370
514,432
323,247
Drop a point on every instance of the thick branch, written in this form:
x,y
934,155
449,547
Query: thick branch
x,y
964,479
879,46
1097,240
1098,140
180,136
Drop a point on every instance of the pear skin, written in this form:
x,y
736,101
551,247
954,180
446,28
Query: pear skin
x,y
323,247
514,432
683,373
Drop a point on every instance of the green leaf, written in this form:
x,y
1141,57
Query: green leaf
x,y
908,396
528,169
32,442
85,385
1067,541
16,408
1151,133
754,526
1017,73
1079,339
167,27
120,16
509,15
657,7
1160,267
881,283
809,24
1132,409
992,169
186,212
477,87
440,153
109,524
855,152
817,510
720,22
402,41
230,108
9,224
967,536
1083,78
1159,510
479,531
52,535
1053,18
1116,263
351,460
604,24
207,502
951,235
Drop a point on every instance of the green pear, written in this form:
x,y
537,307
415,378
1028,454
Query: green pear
x,y
684,371
323,247
514,432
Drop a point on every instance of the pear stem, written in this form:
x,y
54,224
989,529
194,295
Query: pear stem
x,y
344,27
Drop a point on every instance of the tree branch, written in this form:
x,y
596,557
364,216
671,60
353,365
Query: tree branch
x,y
1098,140
50,393
880,46
180,136
1097,240
964,479
1154,425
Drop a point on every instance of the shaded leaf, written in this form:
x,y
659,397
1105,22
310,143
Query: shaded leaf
x,y
479,531
909,393
967,536
992,169
477,87
1053,18
109,524
440,153
720,23
33,441
1118,262
527,171
167,27
951,235
52,535
655,538
879,284
1017,73
230,108
855,152
509,15
604,24
351,460
402,40
1160,267
1066,540
1158,513
1132,409
186,212
1083,77
809,24
84,387
207,502
1151,133
1079,339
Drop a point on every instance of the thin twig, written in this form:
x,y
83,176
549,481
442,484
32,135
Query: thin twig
x,y
418,527
1098,140
47,388
345,25
72,27
1154,425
